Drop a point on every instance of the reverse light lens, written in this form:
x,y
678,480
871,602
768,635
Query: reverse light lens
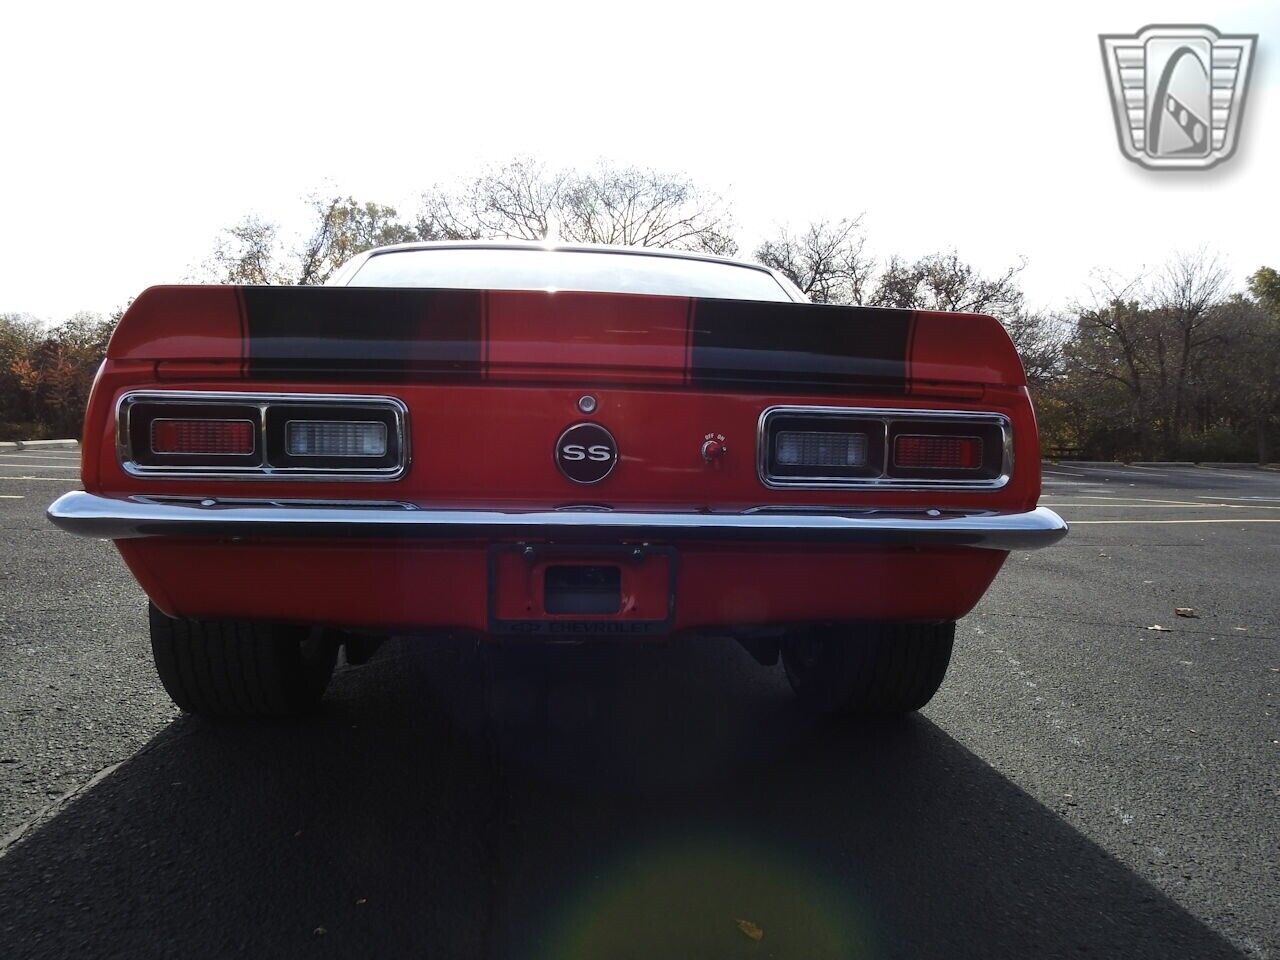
x,y
214,437
937,453
335,438
797,448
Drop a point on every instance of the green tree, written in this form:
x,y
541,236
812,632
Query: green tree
x,y
1265,287
247,252
1106,376
343,229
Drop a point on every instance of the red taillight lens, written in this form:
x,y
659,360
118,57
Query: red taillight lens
x,y
937,453
231,437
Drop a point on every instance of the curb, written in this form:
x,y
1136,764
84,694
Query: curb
x,y
40,444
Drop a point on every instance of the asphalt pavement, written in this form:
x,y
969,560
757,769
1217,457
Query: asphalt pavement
x,y
1083,784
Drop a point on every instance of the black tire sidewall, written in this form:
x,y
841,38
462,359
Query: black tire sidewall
x,y
867,668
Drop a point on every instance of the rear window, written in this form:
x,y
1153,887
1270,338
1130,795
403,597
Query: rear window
x,y
603,272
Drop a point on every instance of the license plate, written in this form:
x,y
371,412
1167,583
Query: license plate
x,y
570,591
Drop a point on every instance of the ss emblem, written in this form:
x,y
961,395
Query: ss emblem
x,y
575,451
586,453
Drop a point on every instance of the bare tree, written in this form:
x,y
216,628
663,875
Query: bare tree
x,y
1242,375
1246,368
516,200
825,260
942,281
1185,294
639,207
1106,363
1151,335
1040,338
898,285
628,206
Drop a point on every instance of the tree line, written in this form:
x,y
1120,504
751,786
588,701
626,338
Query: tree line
x,y
46,372
1170,364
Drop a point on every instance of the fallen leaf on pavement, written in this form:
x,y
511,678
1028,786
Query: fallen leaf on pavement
x,y
750,929
1187,612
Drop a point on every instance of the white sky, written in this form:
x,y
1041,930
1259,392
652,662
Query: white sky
x,y
130,134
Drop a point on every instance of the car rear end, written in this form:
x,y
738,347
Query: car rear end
x,y
556,463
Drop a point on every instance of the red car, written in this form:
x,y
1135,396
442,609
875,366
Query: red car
x,y
529,442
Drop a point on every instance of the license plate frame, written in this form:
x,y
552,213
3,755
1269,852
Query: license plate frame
x,y
641,566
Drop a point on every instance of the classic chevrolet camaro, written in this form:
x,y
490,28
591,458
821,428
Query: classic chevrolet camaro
x,y
526,442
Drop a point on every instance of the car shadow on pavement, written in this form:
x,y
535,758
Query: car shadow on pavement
x,y
578,802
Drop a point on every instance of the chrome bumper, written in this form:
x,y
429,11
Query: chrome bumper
x,y
122,518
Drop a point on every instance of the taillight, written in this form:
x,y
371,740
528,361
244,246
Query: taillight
x,y
832,447
213,437
335,438
189,432
920,451
796,448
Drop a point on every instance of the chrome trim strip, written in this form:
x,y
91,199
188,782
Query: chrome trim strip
x,y
262,401
121,518
884,415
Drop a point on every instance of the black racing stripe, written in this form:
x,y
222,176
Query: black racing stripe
x,y
349,333
799,345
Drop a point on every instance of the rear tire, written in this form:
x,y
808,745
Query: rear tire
x,y
868,668
241,668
